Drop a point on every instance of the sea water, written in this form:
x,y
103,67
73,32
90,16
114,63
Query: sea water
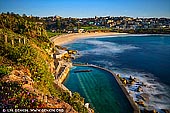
x,y
146,57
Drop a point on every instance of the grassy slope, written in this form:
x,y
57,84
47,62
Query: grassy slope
x,y
32,57
51,34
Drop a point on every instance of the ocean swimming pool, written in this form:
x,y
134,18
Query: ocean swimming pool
x,y
99,88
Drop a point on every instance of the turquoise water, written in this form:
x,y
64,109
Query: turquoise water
x,y
99,88
146,57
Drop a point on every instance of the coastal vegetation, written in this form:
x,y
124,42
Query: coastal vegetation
x,y
52,34
96,28
25,66
144,31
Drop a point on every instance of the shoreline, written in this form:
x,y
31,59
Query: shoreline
x,y
68,38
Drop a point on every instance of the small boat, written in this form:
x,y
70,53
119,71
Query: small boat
x,y
78,71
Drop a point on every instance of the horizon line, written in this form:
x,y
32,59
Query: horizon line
x,y
87,16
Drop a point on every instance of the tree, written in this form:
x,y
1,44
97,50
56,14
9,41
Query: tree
x,y
58,24
70,26
24,15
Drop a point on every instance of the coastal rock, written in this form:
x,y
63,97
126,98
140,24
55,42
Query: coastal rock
x,y
132,82
118,75
124,81
130,78
141,103
144,84
139,89
145,97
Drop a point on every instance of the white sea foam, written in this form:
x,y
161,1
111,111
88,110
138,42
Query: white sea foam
x,y
109,64
102,47
159,94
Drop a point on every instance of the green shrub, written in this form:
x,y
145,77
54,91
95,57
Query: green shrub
x,y
5,70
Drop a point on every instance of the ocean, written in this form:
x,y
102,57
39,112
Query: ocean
x,y
145,57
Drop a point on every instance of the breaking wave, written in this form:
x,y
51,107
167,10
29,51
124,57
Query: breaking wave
x,y
158,93
102,47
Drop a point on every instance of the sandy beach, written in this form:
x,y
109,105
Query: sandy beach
x,y
64,39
